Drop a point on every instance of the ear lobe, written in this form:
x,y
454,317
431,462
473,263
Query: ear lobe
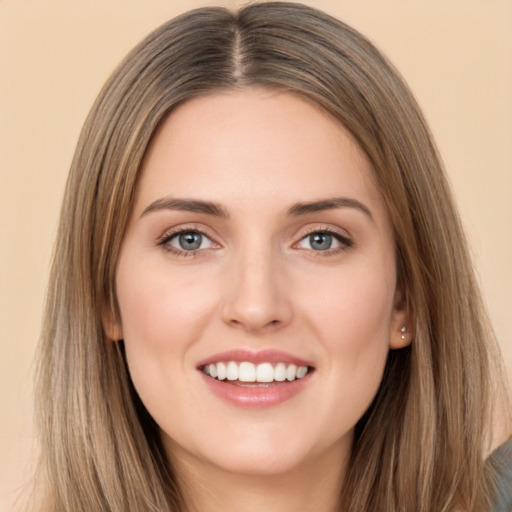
x,y
400,338
111,324
402,322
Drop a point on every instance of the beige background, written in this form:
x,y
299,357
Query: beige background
x,y
54,57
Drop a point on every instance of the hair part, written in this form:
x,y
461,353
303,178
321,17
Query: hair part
x,y
420,446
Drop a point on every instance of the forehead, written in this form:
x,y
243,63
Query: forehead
x,y
254,145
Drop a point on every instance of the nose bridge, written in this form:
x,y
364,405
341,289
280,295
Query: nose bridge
x,y
256,298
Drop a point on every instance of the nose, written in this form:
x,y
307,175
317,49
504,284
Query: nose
x,y
257,298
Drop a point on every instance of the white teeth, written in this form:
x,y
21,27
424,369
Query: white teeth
x,y
232,371
221,371
249,372
246,372
291,372
265,373
280,372
213,370
301,371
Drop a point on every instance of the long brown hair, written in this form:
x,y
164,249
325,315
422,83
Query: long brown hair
x,y
421,444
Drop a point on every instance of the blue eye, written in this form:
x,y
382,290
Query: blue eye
x,y
190,241
320,241
324,241
187,241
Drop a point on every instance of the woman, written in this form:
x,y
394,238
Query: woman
x,y
261,295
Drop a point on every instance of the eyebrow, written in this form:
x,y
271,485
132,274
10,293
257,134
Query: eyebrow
x,y
187,205
329,204
217,210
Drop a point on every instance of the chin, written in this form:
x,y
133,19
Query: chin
x,y
259,451
259,461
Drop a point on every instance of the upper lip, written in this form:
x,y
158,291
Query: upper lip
x,y
256,357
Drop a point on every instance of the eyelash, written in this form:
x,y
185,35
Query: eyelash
x,y
164,241
345,242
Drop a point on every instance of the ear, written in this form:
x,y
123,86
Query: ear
x,y
111,324
402,321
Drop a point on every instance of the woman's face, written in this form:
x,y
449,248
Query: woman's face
x,y
258,250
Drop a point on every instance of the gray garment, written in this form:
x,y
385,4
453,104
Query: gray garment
x,y
501,461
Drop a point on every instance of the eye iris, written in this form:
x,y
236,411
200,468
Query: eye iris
x,y
190,241
320,241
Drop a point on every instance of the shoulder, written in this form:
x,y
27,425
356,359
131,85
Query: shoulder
x,y
501,463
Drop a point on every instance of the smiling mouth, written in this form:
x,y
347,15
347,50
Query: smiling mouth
x,y
255,375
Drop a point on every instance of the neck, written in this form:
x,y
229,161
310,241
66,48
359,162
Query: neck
x,y
314,486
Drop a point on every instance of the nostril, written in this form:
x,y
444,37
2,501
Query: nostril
x,y
252,324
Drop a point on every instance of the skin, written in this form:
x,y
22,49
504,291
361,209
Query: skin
x,y
257,283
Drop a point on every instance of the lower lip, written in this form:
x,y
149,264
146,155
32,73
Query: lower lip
x,y
256,397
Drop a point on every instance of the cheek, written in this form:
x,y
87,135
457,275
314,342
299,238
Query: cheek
x,y
160,309
353,309
352,319
163,314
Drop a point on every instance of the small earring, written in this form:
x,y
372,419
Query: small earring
x,y
403,330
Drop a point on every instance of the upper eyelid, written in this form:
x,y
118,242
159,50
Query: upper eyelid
x,y
209,233
174,234
329,229
191,228
343,238
164,241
